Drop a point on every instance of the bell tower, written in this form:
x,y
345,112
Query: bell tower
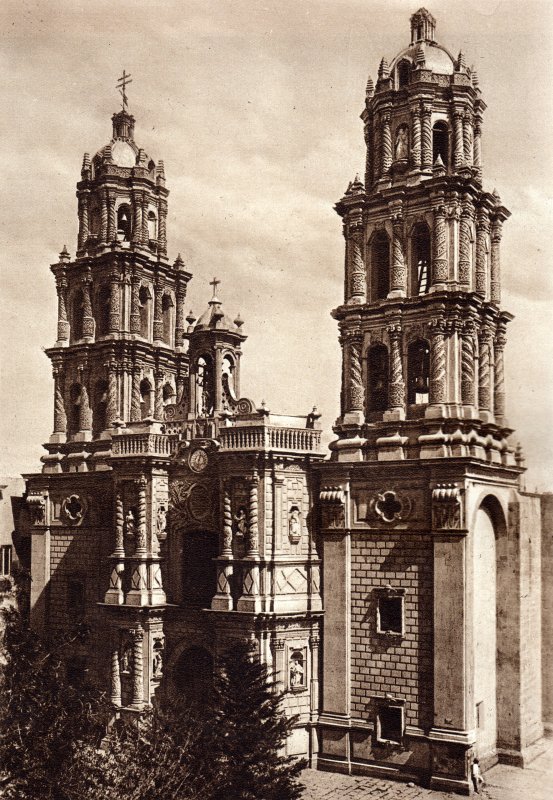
x,y
417,501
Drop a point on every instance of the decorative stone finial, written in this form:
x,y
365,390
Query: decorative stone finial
x,y
383,70
475,81
238,321
423,26
519,455
369,91
86,162
191,319
141,157
179,263
496,197
355,186
460,65
439,166
64,256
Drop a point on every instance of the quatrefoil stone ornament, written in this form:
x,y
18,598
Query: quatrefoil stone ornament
x,y
74,509
388,507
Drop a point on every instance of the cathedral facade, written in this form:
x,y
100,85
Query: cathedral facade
x,y
394,586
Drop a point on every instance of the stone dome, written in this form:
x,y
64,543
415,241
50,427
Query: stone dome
x,y
436,57
122,153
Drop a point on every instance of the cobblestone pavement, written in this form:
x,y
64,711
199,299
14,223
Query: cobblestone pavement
x,y
502,783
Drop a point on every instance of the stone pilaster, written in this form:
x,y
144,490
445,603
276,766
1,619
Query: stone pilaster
x,y
355,394
162,227
397,383
112,222
484,371
399,270
112,404
438,388
467,364
465,246
369,159
467,138
179,317
386,143
63,323
135,304
357,276
138,668
158,395
499,376
280,666
88,319
141,543
145,236
416,143
459,153
115,676
137,218
482,228
253,530
104,218
495,263
477,146
114,303
426,136
439,246
158,314
60,418
83,221
136,413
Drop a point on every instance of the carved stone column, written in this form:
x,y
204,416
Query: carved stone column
x,y
386,143
314,642
119,524
484,371
136,413
426,136
181,384
137,215
482,228
104,218
145,233
397,383
357,276
158,313
369,160
226,550
85,412
179,320
477,148
112,224
354,391
114,303
459,153
438,388
467,364
399,270
416,145
280,666
222,601
60,418
115,676
135,304
495,263
467,138
141,543
162,227
112,404
88,319
138,668
253,531
158,395
499,376
465,247
63,323
439,258
83,222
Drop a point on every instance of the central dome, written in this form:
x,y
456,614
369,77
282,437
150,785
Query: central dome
x,y
123,154
436,57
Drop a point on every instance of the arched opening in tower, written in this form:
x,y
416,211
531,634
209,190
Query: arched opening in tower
x,y
77,316
418,372
74,415
199,572
124,223
421,259
152,226
440,143
380,265
99,413
102,310
205,389
144,302
377,373
146,405
403,70
167,316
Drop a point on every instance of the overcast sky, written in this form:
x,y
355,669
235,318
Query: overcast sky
x,y
254,107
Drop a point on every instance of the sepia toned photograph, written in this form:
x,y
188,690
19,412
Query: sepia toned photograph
x,y
276,467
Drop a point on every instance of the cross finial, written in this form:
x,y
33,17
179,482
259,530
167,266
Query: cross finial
x,y
122,83
215,283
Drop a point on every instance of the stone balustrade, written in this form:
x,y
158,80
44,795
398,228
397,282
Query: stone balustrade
x,y
144,444
270,438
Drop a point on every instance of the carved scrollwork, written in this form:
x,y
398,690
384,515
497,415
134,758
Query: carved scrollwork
x,y
446,507
37,508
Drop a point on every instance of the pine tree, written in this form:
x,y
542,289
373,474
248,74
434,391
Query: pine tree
x,y
248,733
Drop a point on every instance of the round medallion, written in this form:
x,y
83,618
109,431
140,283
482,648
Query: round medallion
x,y
197,460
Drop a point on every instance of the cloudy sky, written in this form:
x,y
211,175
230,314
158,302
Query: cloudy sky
x,y
254,107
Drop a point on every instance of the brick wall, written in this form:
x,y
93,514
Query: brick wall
x,y
402,667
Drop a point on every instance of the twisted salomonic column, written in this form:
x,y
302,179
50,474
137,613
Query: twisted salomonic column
x,y
137,214
85,412
439,259
467,137
63,323
138,668
136,413
458,154
477,148
119,524
253,541
158,395
426,136
482,228
416,128
399,272
158,313
115,676
135,304
397,384
162,227
467,364
369,165
357,276
377,149
181,383
83,221
484,372
114,303
112,224
386,142
103,218
111,410
355,394
141,546
226,551
499,375
179,321
88,319
465,246
145,231
437,362
495,264
60,418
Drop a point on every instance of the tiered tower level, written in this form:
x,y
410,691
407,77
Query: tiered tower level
x,y
426,540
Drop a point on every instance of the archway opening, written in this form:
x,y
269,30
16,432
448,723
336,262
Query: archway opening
x,y
124,223
440,142
421,259
146,404
377,378
192,675
380,265
418,372
199,573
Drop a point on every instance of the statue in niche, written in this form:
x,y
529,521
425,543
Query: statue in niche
x,y
294,525
130,524
297,672
157,661
126,657
161,523
402,144
241,523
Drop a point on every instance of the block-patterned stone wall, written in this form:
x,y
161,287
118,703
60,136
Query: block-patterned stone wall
x,y
381,664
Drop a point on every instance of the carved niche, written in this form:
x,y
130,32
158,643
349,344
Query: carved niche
x,y
37,508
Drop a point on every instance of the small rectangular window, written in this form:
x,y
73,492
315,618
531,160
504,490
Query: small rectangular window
x,y
480,714
76,597
389,724
389,613
6,559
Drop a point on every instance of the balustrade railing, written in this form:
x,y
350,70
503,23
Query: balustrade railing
x,y
267,438
135,444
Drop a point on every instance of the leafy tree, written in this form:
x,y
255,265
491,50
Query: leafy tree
x,y
43,719
248,732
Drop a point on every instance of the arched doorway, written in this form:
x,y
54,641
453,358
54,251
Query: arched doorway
x,y
192,675
199,572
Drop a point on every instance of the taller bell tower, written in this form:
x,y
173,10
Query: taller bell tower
x,y
423,524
